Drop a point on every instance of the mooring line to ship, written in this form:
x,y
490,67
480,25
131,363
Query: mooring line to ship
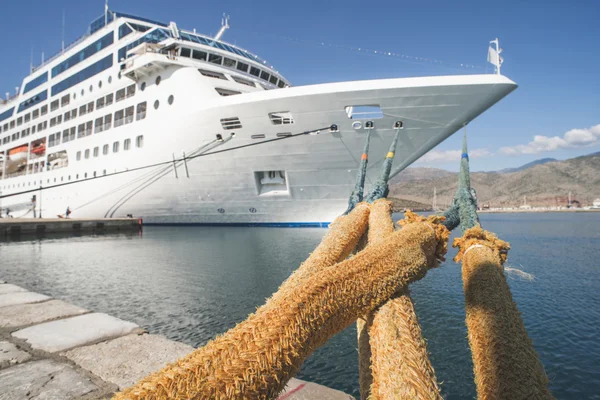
x,y
170,162
149,179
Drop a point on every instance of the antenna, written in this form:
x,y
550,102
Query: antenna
x,y
106,13
63,31
224,27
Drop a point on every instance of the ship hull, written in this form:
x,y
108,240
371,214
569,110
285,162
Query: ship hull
x,y
308,177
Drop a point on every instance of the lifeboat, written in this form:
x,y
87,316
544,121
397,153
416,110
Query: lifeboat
x,y
39,149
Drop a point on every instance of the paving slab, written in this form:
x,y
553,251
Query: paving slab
x,y
43,380
11,355
29,314
68,333
126,360
10,299
297,389
8,288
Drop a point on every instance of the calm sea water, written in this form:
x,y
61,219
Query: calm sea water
x,y
191,284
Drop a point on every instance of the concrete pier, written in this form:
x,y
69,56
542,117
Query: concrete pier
x,y
50,349
16,227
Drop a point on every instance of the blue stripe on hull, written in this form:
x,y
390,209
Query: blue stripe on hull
x,y
245,224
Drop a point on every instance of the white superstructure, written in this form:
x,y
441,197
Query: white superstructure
x,y
103,128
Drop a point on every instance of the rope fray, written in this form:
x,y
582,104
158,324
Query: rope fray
x,y
476,236
434,222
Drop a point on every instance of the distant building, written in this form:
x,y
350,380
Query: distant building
x,y
596,203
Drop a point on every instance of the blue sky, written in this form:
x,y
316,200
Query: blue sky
x,y
550,50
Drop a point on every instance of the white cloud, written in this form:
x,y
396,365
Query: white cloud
x,y
437,156
572,139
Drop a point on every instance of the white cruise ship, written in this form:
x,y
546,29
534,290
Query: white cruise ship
x,y
142,118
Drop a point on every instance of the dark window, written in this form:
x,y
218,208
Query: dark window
x,y
129,115
273,79
212,74
281,83
242,66
139,141
228,62
243,81
100,103
65,100
254,71
199,55
80,56
185,52
84,74
141,111
126,144
32,84
119,118
109,99
264,75
215,58
226,92
120,95
105,149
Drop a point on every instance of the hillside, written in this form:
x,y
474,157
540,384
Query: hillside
x,y
545,184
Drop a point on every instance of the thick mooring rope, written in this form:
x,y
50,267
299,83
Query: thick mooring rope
x,y
400,366
505,363
257,358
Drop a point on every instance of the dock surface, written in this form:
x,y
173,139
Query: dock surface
x,y
50,349
16,227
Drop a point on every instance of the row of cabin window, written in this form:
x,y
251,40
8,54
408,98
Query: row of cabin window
x,y
231,63
139,142
101,124
103,101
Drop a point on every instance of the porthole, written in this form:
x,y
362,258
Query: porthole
x,y
110,79
100,85
143,86
156,104
74,96
252,210
119,75
91,88
171,99
221,211
158,79
82,92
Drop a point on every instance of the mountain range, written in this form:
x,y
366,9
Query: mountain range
x,y
544,182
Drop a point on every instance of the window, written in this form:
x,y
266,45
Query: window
x,y
25,132
157,81
281,84
281,118
33,129
87,154
185,52
212,74
54,105
99,125
265,75
82,55
126,144
67,116
91,88
82,75
115,147
89,128
44,110
243,81
228,62
273,79
52,122
130,90
156,104
19,121
81,131
96,151
199,55
65,135
258,136
141,111
120,95
171,99
90,107
100,103
215,59
12,124
27,117
254,71
139,141
32,84
105,149
78,156
119,118
143,86
64,101
83,110
226,92
107,121
242,66
109,99
129,115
